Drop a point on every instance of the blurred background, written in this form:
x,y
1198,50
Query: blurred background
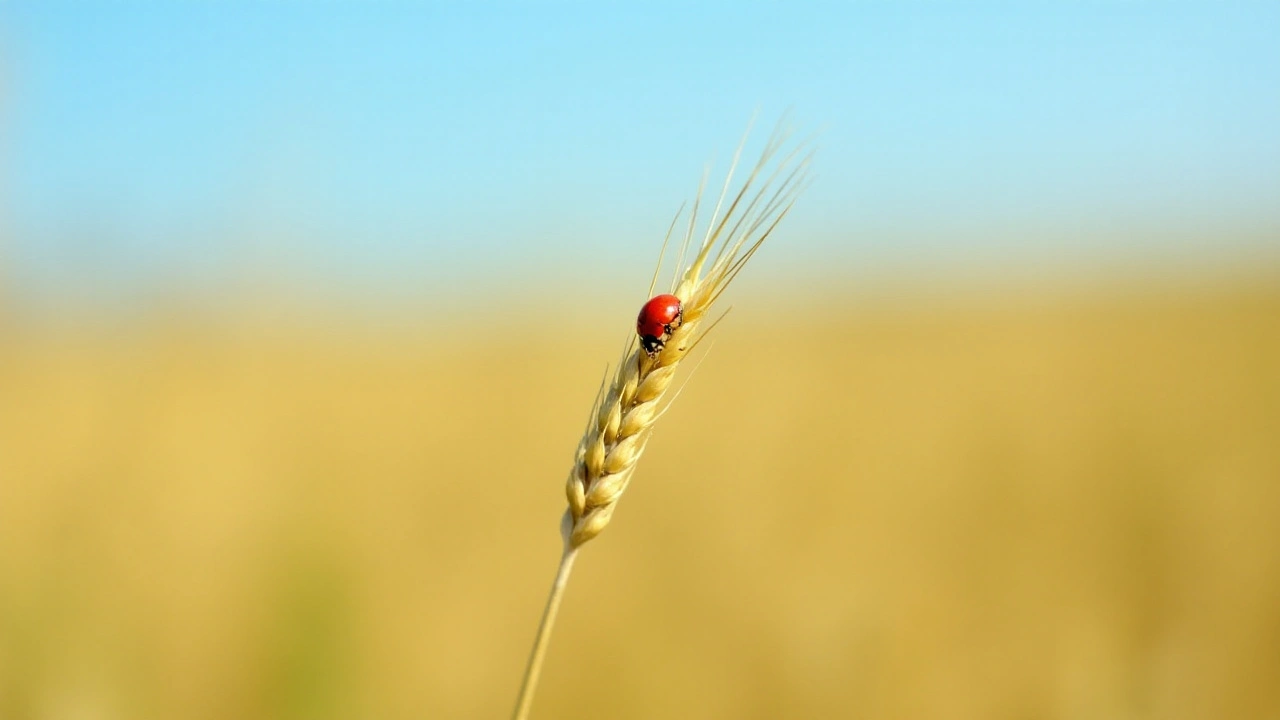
x,y
302,306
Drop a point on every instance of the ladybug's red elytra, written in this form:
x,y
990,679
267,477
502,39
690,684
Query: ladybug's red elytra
x,y
658,319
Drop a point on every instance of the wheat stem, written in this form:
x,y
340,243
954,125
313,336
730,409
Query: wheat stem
x,y
540,642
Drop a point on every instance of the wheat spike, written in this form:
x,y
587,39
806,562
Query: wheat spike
x,y
628,405
631,399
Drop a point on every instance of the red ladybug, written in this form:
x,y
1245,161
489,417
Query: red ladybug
x,y
658,318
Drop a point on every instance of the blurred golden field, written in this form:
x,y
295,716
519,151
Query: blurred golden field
x,y
1032,505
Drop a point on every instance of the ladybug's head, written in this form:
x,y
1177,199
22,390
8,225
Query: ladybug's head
x,y
653,344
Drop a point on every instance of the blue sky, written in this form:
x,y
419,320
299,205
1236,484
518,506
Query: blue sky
x,y
385,148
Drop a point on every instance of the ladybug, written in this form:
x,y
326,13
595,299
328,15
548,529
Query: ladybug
x,y
658,319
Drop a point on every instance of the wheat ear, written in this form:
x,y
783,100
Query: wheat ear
x,y
631,401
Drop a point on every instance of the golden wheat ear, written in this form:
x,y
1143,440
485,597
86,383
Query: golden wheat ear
x,y
633,396
627,406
